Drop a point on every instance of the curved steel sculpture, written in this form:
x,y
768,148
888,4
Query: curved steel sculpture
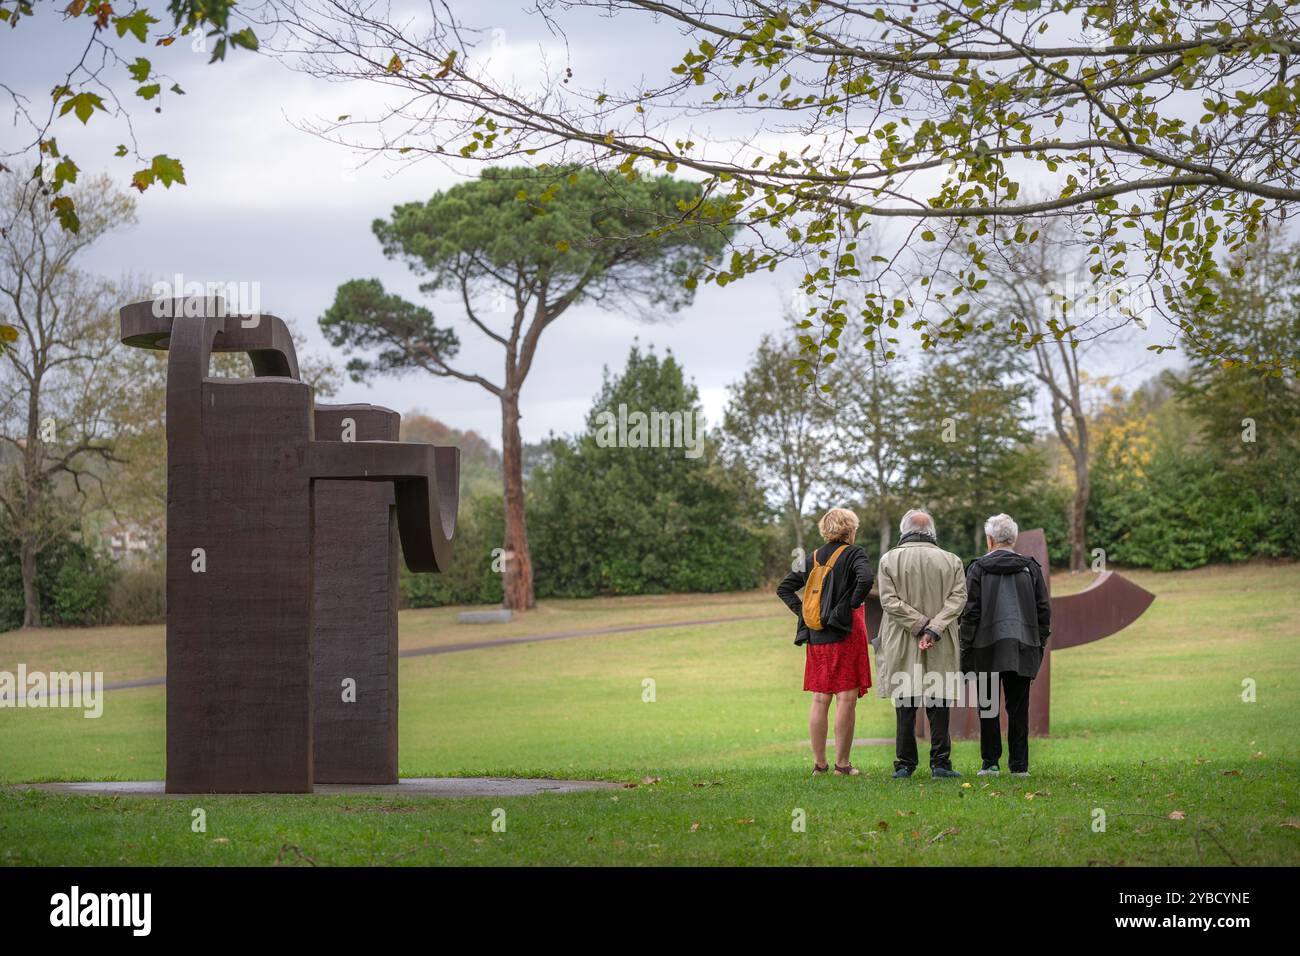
x,y
281,543
1107,606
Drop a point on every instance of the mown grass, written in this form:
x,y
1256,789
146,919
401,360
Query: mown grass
x,y
1149,728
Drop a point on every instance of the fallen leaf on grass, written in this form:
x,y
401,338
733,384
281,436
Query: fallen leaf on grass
x,y
706,783
882,825
650,780
1177,815
1290,824
695,825
950,831
1230,773
745,821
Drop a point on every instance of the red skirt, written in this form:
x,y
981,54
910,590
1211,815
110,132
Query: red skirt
x,y
833,668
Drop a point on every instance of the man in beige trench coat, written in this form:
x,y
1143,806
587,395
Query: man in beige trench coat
x,y
922,592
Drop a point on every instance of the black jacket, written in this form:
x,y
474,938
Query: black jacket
x,y
1008,615
850,584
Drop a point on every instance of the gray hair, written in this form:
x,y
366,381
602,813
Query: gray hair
x,y
1001,529
918,519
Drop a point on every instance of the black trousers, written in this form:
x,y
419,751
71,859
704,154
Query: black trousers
x,y
1015,689
936,714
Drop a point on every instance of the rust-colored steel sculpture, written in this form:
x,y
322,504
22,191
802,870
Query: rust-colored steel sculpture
x,y
355,559
1107,606
263,522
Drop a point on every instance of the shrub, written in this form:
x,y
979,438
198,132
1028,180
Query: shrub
x,y
81,587
138,596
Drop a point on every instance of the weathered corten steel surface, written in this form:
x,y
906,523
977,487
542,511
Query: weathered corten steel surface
x,y
244,475
356,558
1107,606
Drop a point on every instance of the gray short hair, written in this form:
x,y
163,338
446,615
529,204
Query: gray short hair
x,y
1001,529
918,519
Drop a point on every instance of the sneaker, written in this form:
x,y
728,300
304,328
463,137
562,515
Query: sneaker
x,y
1020,773
944,772
989,770
902,773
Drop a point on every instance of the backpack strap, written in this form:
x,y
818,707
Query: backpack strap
x,y
834,556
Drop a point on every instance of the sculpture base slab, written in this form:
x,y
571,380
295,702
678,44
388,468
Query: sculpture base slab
x,y
503,616
406,787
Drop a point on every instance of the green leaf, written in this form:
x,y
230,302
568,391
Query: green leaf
x,y
148,92
66,212
140,69
82,105
136,23
168,170
245,38
65,172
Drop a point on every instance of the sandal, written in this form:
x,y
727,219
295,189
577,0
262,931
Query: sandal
x,y
846,771
818,771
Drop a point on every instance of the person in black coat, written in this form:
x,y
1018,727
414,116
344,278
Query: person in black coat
x,y
836,664
1003,630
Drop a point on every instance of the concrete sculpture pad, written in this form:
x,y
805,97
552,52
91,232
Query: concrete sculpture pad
x,y
444,787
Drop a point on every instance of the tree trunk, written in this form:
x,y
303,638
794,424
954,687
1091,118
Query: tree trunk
x,y
31,596
797,518
31,493
1082,491
518,583
1078,518
885,531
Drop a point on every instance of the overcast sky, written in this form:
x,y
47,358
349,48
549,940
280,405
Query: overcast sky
x,y
269,204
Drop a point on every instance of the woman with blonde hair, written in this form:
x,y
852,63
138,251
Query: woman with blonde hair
x,y
836,579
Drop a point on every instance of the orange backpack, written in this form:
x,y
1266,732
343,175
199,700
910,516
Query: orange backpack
x,y
815,589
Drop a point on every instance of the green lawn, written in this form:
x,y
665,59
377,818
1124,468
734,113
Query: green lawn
x,y
1148,726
